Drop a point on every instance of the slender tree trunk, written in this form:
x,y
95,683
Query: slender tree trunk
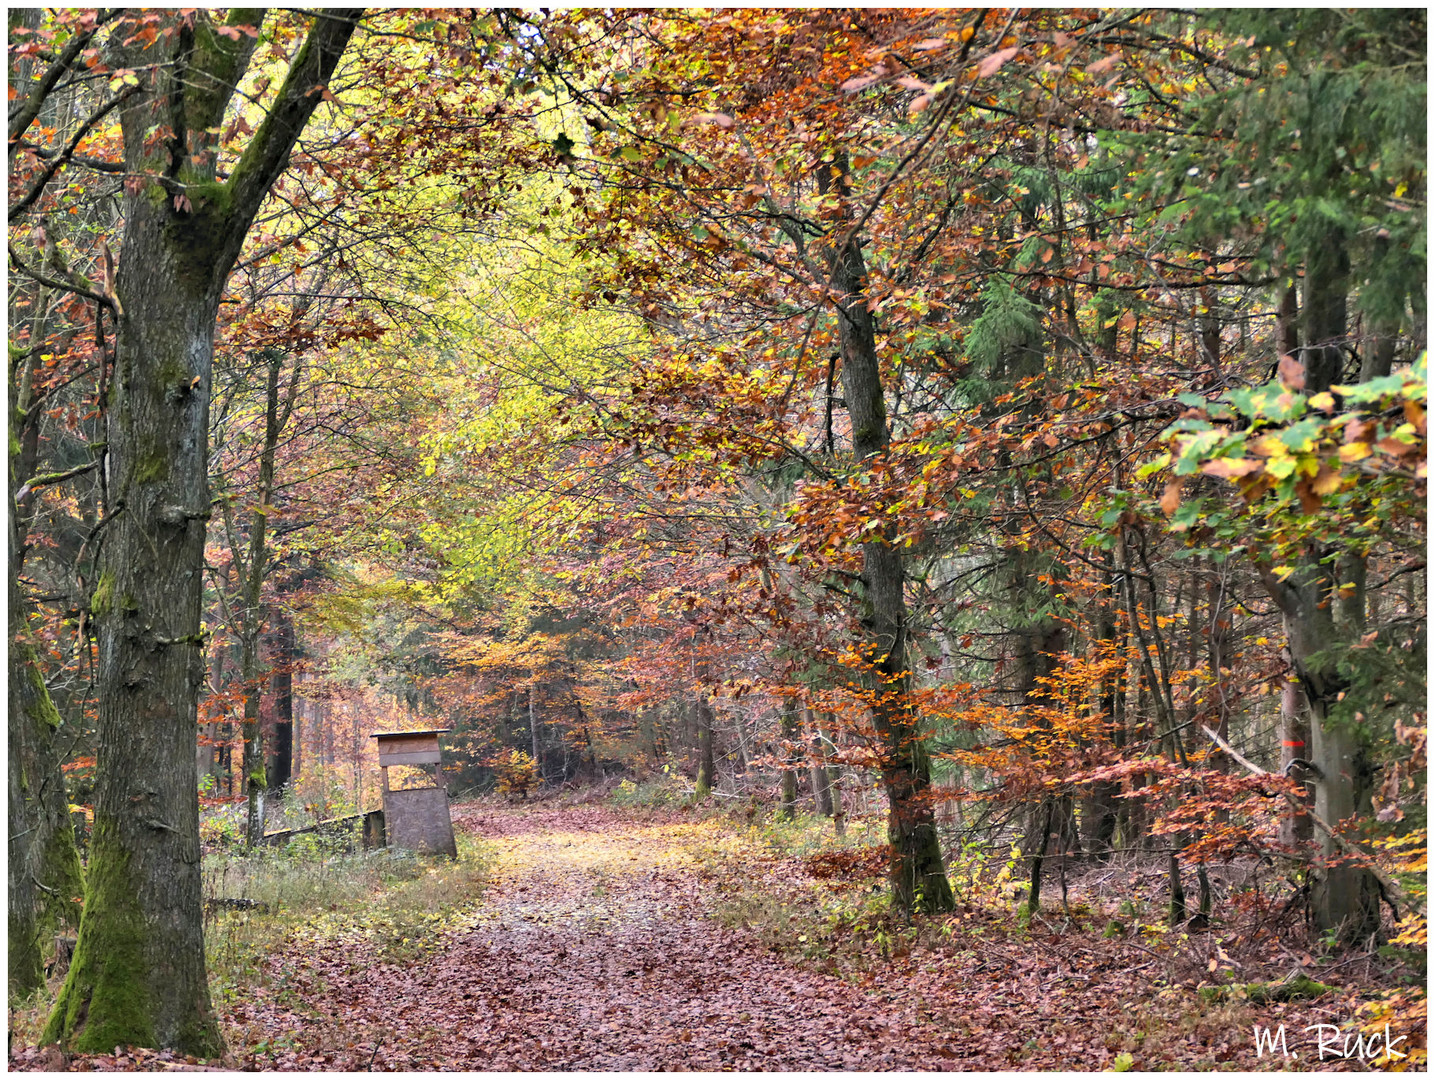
x,y
821,779
1101,807
706,770
1295,746
787,808
533,727
1346,897
919,880
43,871
252,607
138,973
283,760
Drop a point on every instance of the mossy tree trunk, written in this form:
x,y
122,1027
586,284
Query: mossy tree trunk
x,y
46,880
44,875
138,973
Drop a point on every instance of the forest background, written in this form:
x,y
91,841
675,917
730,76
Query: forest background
x,y
1015,420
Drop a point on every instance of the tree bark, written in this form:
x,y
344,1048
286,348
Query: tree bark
x,y
706,770
138,974
283,759
44,875
45,878
919,880
790,733
821,778
1345,897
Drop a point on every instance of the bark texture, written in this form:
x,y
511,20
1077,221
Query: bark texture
x,y
138,975
918,877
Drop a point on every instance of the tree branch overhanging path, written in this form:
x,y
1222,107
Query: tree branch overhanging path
x,y
1000,432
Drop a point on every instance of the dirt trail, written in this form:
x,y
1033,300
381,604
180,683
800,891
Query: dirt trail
x,y
591,951
594,948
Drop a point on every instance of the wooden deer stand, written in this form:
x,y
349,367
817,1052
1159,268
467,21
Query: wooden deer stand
x,y
416,819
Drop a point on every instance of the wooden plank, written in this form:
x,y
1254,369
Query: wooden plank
x,y
419,757
408,743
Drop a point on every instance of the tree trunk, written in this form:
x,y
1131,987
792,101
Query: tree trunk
x,y
919,880
45,877
44,874
138,973
533,726
706,771
1295,739
251,624
790,733
1101,807
1345,897
821,778
283,757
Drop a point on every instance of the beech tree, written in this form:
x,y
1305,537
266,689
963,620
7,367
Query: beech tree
x,y
138,974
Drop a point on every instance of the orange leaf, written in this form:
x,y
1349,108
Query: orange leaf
x,y
1171,497
1227,468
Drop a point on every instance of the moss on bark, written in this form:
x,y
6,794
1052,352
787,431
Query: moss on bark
x,y
108,977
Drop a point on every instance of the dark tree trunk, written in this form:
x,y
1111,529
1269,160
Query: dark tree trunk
x,y
919,880
705,748
787,808
138,973
45,879
1101,807
281,766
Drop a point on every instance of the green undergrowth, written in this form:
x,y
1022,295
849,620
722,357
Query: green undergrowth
x,y
397,902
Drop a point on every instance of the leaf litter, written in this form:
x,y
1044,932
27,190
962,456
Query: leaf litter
x,y
595,946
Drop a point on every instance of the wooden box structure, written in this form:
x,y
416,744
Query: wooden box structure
x,y
416,819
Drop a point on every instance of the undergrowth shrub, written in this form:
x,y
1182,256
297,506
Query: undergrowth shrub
x,y
661,789
517,774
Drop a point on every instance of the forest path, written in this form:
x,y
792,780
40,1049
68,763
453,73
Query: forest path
x,y
592,949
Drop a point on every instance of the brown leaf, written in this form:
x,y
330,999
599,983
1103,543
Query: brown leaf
x,y
1415,416
1327,481
1171,497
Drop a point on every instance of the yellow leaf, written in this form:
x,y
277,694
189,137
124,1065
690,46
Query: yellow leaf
x,y
1356,451
1326,482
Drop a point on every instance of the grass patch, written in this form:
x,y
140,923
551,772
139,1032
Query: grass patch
x,y
312,890
399,900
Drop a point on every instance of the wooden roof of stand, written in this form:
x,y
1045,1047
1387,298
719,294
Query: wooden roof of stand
x,y
420,731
